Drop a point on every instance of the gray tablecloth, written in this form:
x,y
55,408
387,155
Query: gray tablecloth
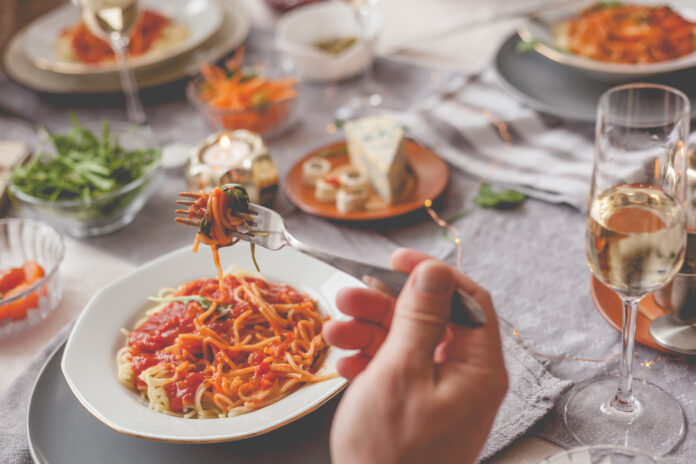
x,y
530,258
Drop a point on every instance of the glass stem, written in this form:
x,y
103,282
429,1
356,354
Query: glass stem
x,y
134,108
363,15
624,401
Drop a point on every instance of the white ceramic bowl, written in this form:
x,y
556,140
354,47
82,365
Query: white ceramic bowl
x,y
299,29
540,31
89,360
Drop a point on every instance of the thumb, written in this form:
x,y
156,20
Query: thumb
x,y
422,312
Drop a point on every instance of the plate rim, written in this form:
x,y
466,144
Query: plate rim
x,y
362,216
150,77
137,62
341,383
35,384
526,99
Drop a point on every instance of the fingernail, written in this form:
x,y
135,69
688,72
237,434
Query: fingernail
x,y
434,278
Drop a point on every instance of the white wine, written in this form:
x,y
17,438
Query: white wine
x,y
108,17
636,239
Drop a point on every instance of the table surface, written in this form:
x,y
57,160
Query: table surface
x,y
407,21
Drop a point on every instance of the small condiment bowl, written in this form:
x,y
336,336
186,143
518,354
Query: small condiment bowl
x,y
24,240
267,119
299,30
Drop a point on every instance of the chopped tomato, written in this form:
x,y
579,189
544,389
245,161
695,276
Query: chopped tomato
x,y
33,271
18,309
10,278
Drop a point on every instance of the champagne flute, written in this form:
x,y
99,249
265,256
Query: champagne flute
x,y
635,244
113,20
369,100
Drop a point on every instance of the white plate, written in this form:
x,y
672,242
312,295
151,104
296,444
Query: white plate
x,y
234,30
539,30
89,361
201,17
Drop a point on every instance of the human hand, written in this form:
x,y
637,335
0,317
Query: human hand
x,y
424,389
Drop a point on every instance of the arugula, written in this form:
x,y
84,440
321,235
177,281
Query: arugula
x,y
85,166
607,4
507,199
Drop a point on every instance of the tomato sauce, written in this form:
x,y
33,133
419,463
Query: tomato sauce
x,y
183,392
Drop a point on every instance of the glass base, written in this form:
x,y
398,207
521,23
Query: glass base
x,y
656,425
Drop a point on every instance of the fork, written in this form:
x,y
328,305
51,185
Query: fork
x,y
465,309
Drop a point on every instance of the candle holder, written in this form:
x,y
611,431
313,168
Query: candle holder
x,y
238,156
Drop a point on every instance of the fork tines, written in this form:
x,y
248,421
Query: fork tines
x,y
190,195
187,222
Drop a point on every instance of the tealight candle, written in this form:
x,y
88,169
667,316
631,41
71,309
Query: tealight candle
x,y
238,156
226,152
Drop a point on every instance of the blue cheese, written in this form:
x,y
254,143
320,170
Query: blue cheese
x,y
376,149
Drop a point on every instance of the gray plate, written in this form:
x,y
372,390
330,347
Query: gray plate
x,y
561,90
61,431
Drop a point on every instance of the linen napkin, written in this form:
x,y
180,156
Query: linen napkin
x,y
468,122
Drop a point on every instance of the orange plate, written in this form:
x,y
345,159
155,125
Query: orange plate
x,y
609,306
431,177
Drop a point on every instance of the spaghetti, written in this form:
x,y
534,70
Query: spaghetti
x,y
206,352
624,33
219,215
153,31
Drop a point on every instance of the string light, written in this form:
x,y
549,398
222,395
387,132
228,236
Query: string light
x,y
446,225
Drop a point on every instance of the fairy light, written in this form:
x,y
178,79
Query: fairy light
x,y
446,225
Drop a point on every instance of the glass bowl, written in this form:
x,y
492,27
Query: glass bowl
x,y
266,119
602,455
104,214
23,240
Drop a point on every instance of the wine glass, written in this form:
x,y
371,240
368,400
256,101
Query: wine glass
x,y
635,244
369,100
113,20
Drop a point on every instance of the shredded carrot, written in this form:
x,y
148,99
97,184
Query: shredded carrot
x,y
253,101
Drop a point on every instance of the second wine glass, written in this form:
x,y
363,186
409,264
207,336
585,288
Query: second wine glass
x,y
635,244
113,21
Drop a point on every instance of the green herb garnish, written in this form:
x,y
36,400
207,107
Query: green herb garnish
x,y
85,166
525,46
506,199
606,4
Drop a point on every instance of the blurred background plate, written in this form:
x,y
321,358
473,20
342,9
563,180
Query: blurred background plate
x,y
233,31
539,30
561,90
430,176
202,18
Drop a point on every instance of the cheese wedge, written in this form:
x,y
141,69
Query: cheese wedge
x,y
376,149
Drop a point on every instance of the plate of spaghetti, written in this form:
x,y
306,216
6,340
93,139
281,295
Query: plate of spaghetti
x,y
172,353
615,40
59,41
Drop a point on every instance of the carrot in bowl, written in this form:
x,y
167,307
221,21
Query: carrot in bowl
x,y
244,99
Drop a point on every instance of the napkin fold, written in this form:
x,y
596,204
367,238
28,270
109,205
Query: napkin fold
x,y
533,392
468,122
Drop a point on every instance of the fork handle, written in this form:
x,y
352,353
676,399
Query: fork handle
x,y
465,309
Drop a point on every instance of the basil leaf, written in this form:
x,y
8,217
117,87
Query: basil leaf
x,y
506,199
